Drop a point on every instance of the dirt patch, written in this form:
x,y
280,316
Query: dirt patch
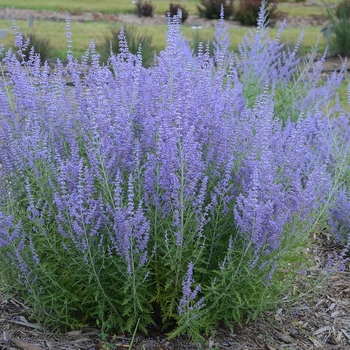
x,y
334,63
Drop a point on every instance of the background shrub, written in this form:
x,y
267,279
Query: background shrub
x,y
342,10
144,8
339,29
40,44
110,44
248,10
340,38
211,9
174,10
199,43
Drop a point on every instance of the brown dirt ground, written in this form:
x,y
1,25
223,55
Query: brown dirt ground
x,y
318,319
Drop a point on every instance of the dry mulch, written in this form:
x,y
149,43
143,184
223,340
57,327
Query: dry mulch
x,y
317,319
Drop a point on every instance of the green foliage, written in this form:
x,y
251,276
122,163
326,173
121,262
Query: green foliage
x,y
343,9
248,10
340,40
339,29
144,8
198,39
211,8
80,288
76,288
241,292
136,39
41,45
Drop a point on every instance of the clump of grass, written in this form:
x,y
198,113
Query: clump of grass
x,y
343,9
110,44
339,28
201,41
39,44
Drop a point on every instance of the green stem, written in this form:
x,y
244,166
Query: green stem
x,y
6,88
96,274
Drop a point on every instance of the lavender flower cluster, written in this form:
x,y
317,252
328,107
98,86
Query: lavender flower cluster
x,y
151,181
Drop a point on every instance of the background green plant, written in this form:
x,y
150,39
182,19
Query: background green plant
x,y
135,38
339,28
198,38
144,8
248,10
41,45
343,9
211,8
174,11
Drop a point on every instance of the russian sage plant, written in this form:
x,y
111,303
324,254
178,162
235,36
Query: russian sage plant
x,y
338,218
174,195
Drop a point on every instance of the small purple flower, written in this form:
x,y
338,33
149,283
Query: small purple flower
x,y
69,38
188,294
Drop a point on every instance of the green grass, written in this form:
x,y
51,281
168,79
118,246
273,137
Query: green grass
x,y
161,6
83,32
302,11
107,6
56,31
